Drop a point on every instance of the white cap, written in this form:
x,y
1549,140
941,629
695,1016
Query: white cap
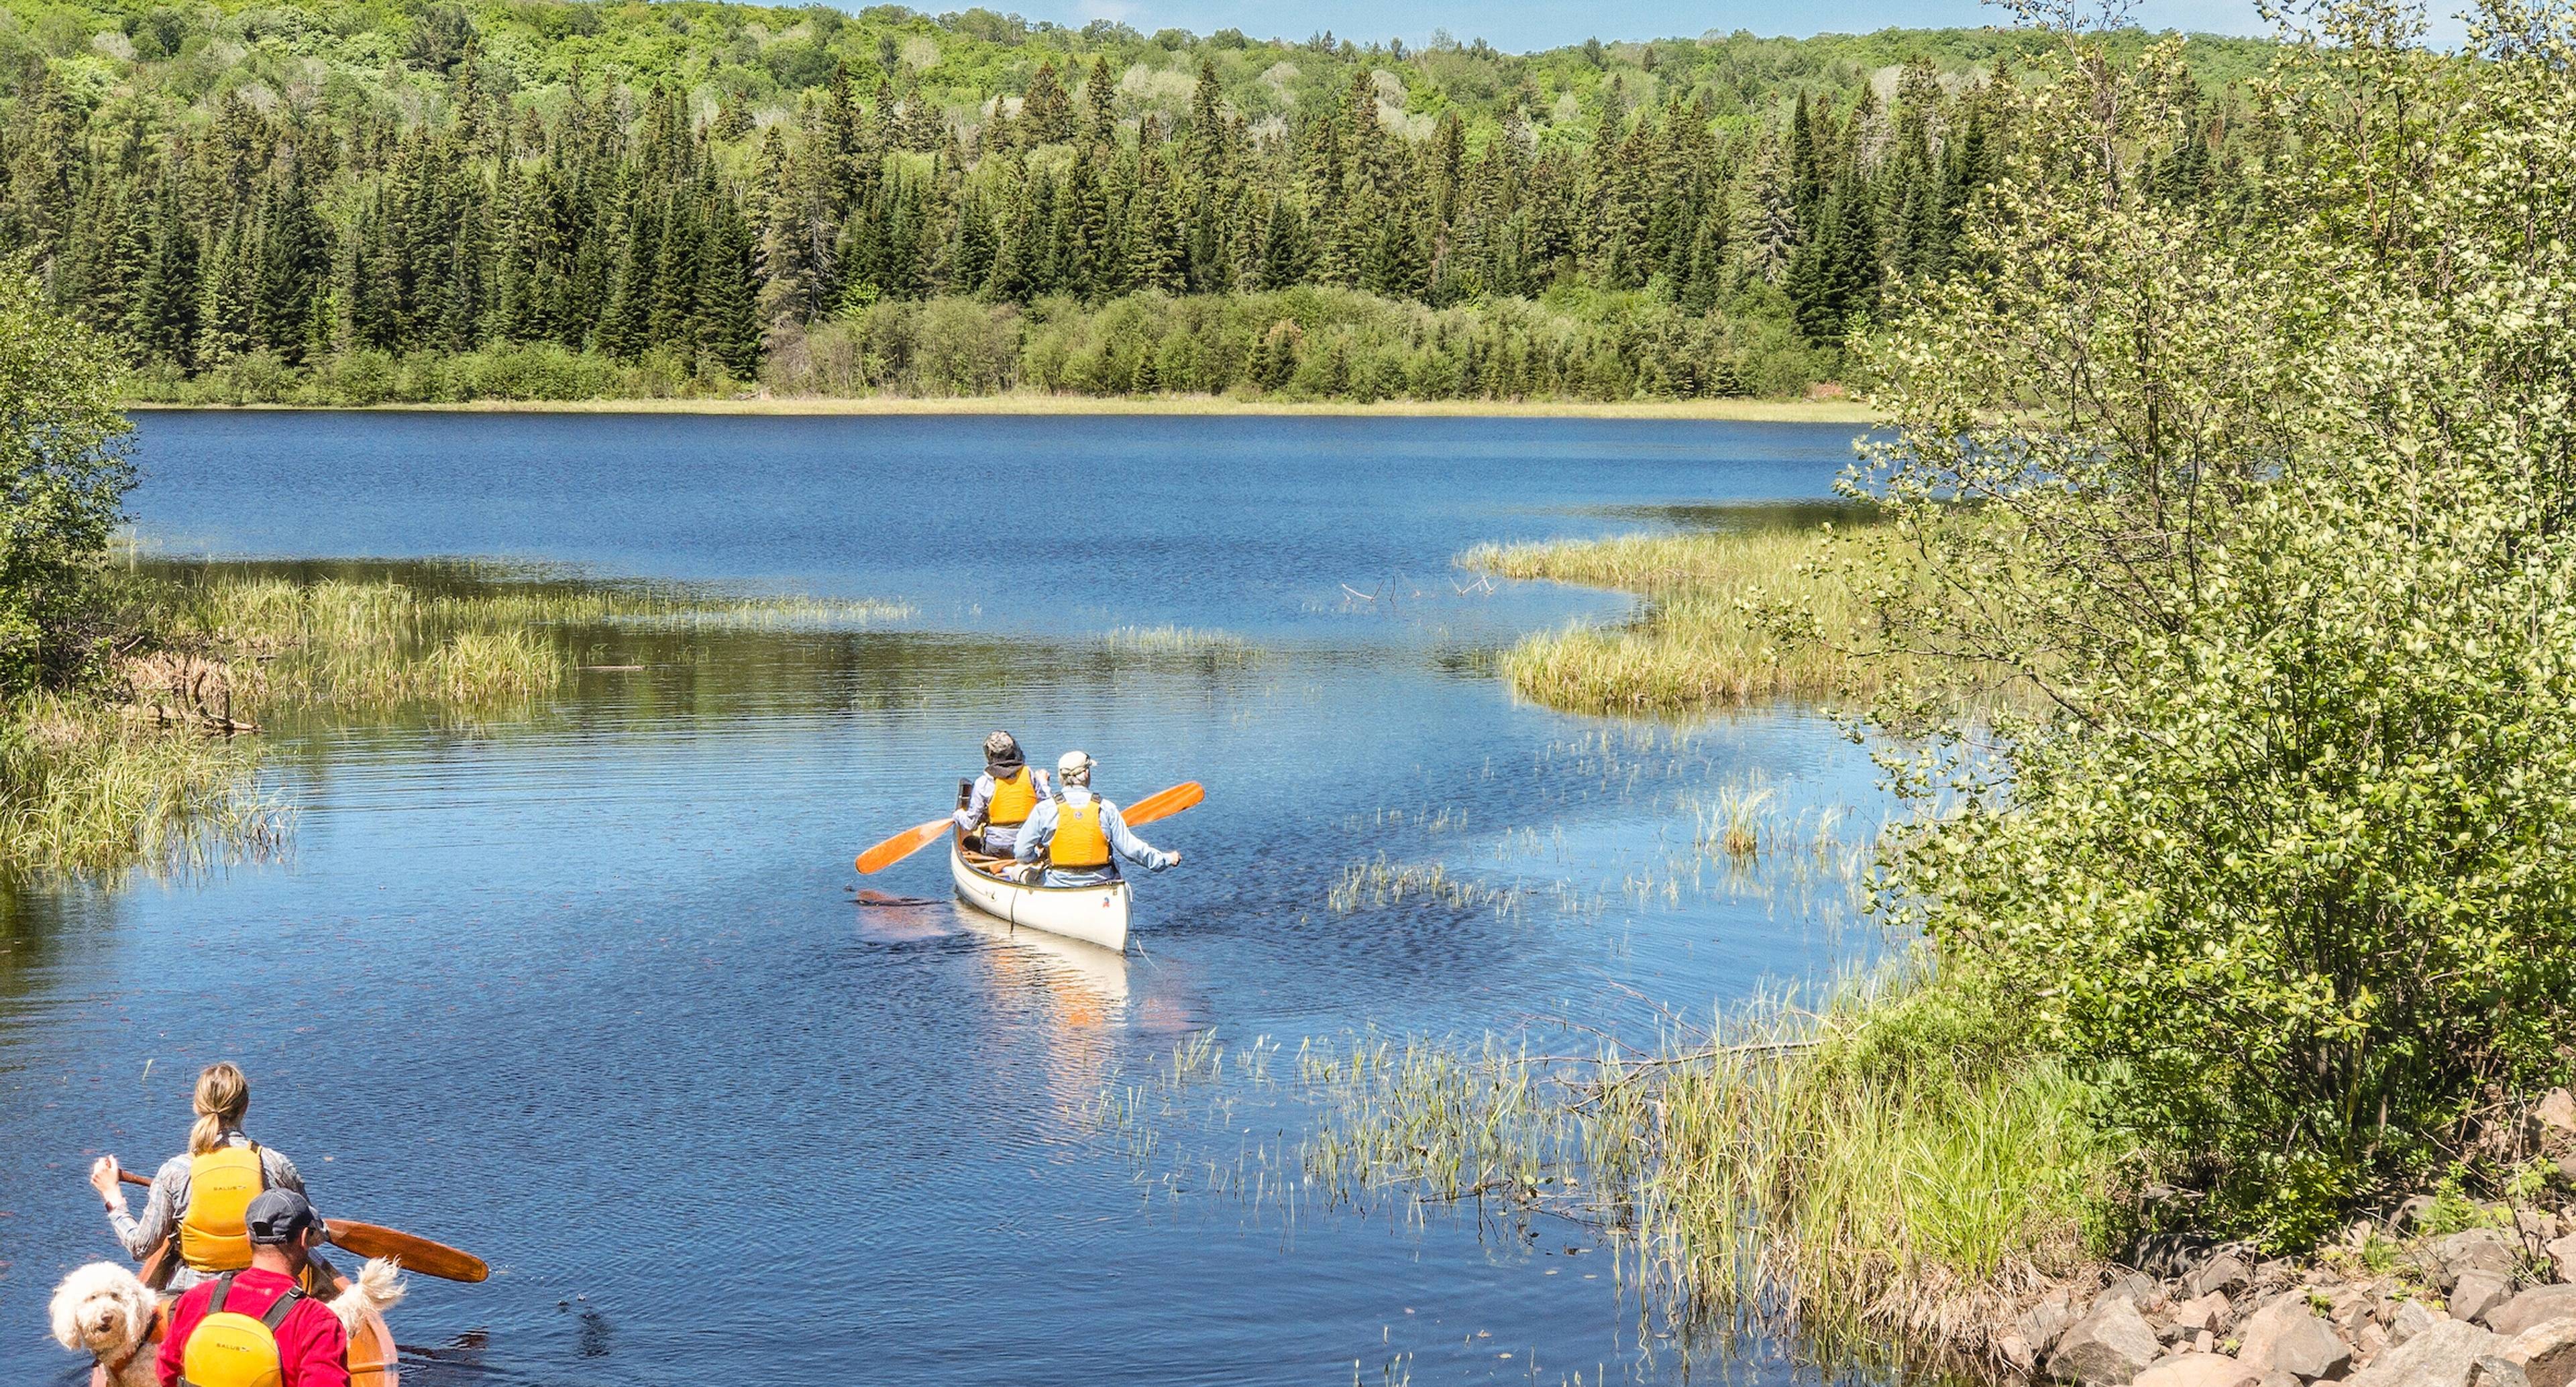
x,y
1072,761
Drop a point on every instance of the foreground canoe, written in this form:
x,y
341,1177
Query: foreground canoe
x,y
1092,914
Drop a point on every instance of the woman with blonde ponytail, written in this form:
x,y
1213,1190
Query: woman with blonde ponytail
x,y
198,1198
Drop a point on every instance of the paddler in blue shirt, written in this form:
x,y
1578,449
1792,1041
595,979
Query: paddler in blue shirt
x,y
1080,836
1004,795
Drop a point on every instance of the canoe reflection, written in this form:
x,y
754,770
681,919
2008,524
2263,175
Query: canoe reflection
x,y
1086,984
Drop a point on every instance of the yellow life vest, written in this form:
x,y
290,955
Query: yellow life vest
x,y
213,1234
229,1349
1012,799
1078,840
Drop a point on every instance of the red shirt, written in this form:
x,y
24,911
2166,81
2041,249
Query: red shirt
x,y
312,1348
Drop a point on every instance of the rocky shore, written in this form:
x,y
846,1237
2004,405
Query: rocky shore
x,y
2412,1300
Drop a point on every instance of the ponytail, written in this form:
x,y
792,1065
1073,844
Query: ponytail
x,y
223,1095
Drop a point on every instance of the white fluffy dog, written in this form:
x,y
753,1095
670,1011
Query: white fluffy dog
x,y
106,1311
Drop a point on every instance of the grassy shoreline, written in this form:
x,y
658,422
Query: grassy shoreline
x,y
1027,403
1700,641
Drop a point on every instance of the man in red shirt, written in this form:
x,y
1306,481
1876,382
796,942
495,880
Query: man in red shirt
x,y
253,1326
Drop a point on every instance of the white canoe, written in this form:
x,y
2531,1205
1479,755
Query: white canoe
x,y
1092,914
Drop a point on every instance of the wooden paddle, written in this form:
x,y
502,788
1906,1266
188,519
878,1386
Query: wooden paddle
x,y
902,845
373,1240
1162,804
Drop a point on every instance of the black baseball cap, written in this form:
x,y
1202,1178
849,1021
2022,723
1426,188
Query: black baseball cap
x,y
278,1217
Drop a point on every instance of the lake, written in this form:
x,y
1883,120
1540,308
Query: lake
x,y
586,991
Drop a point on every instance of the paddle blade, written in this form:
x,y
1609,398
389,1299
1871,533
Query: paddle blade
x,y
901,846
416,1254
1162,804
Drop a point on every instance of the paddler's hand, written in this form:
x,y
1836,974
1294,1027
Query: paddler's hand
x,y
102,1178
1176,857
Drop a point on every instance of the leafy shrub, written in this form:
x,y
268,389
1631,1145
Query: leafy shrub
x,y
2271,527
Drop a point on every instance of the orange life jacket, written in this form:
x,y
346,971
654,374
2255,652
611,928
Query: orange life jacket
x,y
213,1232
1012,799
231,1349
1079,841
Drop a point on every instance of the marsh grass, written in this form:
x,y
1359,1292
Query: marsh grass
x,y
381,643
88,788
1887,1163
1701,640
1155,646
1380,884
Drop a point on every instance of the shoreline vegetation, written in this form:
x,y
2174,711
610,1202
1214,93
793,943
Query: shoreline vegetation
x,y
1742,410
1701,639
156,762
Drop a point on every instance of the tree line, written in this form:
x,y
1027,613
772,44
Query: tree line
x,y
642,223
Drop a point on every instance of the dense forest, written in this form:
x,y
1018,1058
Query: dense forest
x,y
546,198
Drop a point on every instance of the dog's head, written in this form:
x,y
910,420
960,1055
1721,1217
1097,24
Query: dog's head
x,y
101,1309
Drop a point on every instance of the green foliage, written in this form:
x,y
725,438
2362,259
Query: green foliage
x,y
269,196
64,473
2267,505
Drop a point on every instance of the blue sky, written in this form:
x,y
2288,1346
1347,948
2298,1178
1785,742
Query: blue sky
x,y
1522,25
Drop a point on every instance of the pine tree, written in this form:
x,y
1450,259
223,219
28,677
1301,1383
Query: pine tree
x,y
728,297
1046,112
1100,102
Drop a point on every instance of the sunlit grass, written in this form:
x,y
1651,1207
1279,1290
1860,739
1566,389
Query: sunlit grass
x,y
1887,1163
1891,1162
1379,884
1152,645
347,644
89,788
1701,641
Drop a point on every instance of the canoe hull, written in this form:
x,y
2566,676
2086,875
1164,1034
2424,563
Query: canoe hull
x,y
1092,914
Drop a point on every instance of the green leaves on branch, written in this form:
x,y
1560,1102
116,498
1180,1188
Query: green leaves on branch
x,y
2267,503
64,473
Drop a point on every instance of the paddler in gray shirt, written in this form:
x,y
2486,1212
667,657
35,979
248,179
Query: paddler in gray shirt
x,y
1004,795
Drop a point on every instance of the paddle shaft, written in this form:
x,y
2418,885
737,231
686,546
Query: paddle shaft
x,y
373,1240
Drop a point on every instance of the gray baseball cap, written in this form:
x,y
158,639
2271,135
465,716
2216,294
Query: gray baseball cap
x,y
277,1217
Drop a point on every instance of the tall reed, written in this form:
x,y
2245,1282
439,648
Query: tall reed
x,y
1701,640
88,788
1892,1162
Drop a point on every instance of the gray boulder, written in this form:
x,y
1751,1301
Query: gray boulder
x,y
2494,1370
2225,1274
2562,1257
2556,1118
2041,1324
2441,1356
2478,1249
2545,1353
2198,1370
2410,1319
2137,1288
2210,1312
2477,1292
2536,1306
2109,1347
2286,1336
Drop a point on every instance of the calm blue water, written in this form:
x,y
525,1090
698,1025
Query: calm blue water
x,y
586,993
